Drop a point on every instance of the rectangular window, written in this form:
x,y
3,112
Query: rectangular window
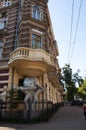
x,y
3,22
36,41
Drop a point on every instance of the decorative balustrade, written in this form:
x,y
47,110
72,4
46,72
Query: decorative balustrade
x,y
31,54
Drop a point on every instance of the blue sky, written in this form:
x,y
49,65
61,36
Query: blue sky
x,y
60,13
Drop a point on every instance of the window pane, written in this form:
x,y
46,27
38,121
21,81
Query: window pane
x,y
33,44
1,25
3,21
36,13
33,36
36,41
35,7
39,45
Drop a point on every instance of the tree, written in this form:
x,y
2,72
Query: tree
x,y
67,74
82,90
77,78
69,84
71,81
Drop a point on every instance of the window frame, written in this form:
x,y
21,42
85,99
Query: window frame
x,y
36,41
3,21
36,13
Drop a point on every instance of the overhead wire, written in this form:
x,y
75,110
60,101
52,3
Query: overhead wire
x,y
76,29
71,30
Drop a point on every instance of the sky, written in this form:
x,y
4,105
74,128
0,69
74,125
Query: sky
x,y
73,52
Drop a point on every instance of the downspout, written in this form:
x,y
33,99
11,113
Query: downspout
x,y
42,95
17,25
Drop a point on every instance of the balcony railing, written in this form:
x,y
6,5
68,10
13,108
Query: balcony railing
x,y
31,54
42,111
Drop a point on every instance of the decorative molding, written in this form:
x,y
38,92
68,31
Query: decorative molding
x,y
37,31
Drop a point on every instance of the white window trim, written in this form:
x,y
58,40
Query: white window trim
x,y
37,31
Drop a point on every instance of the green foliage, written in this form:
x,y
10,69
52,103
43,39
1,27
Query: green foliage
x,y
82,90
77,79
67,74
71,80
12,98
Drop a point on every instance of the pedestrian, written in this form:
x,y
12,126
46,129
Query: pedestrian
x,y
84,109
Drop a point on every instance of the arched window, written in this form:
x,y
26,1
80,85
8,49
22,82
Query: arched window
x,y
36,14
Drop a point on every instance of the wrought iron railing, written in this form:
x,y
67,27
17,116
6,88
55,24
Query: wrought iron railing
x,y
15,111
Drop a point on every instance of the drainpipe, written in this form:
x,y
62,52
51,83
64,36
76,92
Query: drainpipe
x,y
17,25
42,95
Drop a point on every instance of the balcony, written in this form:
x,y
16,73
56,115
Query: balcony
x,y
33,62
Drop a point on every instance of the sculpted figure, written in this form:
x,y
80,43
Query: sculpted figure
x,y
3,94
31,89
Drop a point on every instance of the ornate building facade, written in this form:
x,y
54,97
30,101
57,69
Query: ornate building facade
x,y
28,48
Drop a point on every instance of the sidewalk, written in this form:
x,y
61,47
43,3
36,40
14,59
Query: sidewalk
x,y
67,118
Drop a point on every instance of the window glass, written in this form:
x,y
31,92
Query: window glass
x,y
36,41
3,22
36,13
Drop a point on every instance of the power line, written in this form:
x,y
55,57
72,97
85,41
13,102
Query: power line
x,y
66,42
71,29
76,29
